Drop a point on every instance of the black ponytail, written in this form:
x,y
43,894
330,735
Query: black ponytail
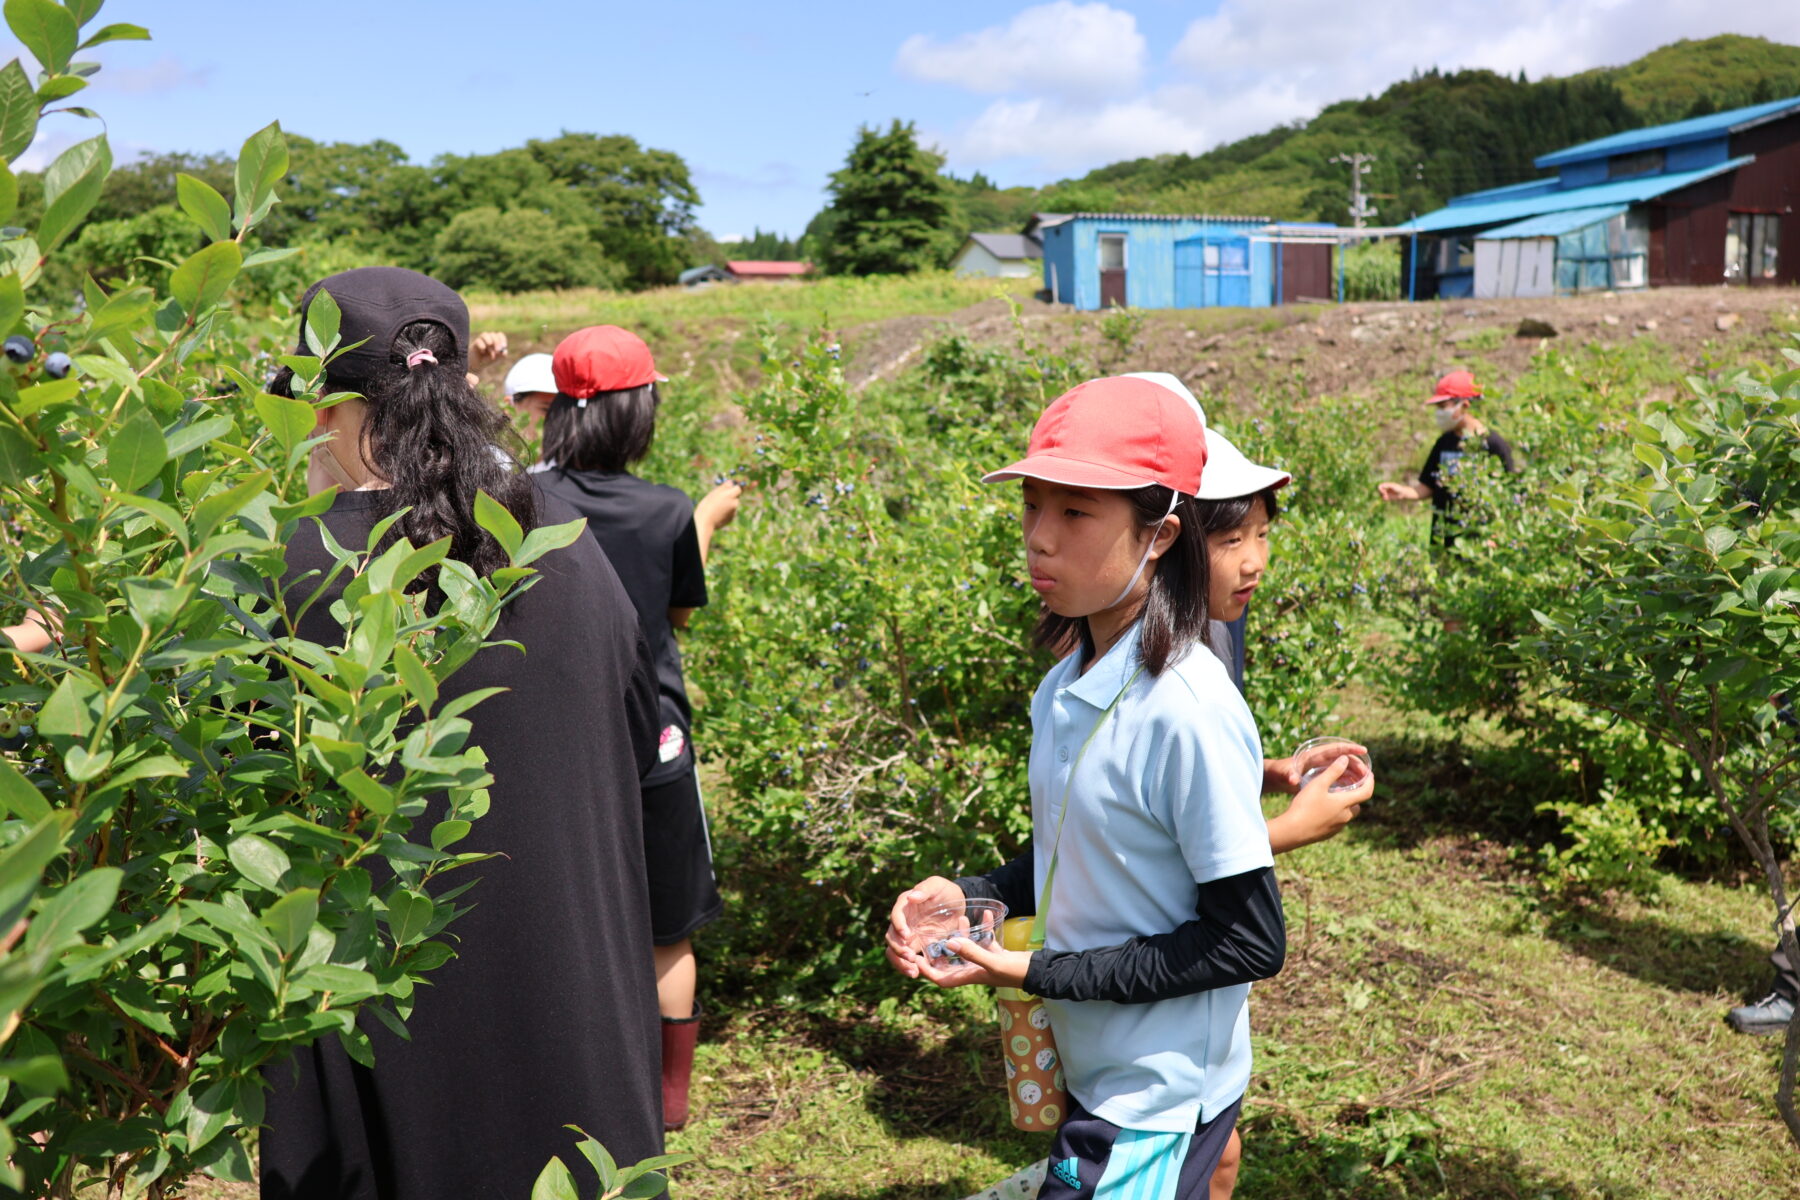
x,y
1174,613
437,443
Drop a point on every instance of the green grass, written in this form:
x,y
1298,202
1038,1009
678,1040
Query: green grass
x,y
1443,1029
847,301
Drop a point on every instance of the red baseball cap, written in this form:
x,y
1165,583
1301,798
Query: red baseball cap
x,y
1115,433
602,358
1457,385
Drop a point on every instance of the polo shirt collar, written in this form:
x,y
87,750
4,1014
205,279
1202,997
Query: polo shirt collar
x,y
1106,678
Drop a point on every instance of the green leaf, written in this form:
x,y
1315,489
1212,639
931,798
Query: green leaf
x,y
22,865
46,28
416,676
71,186
290,420
19,456
408,914
198,283
18,111
42,395
136,452
9,193
546,538
448,833
12,303
213,1110
366,792
62,87
645,1187
492,516
267,255
555,1183
18,796
259,860
201,201
83,901
291,918
42,1074
323,318
261,164
116,33
598,1157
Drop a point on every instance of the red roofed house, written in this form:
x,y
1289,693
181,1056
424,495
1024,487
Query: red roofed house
x,y
767,272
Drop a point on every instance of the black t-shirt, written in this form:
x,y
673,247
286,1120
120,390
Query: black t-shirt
x,y
548,1012
1440,470
647,530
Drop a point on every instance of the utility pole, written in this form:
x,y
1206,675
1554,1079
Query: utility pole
x,y
1360,208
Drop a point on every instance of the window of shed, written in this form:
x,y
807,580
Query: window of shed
x,y
1752,247
1628,166
1112,252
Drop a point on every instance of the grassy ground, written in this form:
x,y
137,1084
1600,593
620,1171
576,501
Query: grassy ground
x,y
1442,1029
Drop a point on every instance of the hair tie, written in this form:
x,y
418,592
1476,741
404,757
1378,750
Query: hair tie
x,y
420,356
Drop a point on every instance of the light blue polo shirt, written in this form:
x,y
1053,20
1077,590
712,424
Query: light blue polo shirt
x,y
1167,798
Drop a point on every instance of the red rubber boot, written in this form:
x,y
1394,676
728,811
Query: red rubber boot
x,y
678,1039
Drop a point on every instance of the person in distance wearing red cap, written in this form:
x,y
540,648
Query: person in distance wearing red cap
x,y
1150,872
601,420
1452,407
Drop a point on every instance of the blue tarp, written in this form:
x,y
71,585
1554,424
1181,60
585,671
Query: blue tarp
x,y
1555,224
1621,191
1694,129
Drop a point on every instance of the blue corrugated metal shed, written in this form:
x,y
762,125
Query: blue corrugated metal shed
x,y
1621,191
1695,129
1556,223
1512,191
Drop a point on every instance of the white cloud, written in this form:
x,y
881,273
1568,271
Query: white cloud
x,y
166,74
1077,89
1063,48
1324,50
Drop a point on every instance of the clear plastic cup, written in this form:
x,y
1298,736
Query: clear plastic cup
x,y
933,927
1315,754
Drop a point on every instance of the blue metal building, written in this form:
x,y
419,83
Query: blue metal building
x,y
1151,260
1695,201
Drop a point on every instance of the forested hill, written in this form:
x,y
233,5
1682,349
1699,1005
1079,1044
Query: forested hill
x,y
1434,136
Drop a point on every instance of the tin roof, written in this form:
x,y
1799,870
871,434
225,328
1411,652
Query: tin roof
x,y
1043,220
1618,191
1694,129
1556,223
1008,245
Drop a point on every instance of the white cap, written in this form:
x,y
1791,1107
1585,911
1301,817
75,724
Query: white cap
x,y
530,374
1229,475
1164,379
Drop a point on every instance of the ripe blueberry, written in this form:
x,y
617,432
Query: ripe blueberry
x,y
57,365
19,348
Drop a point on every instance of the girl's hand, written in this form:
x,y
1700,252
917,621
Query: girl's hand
x,y
486,348
905,949
1318,812
981,964
719,507
1294,766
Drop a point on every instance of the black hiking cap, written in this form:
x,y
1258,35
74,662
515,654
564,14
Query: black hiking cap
x,y
377,303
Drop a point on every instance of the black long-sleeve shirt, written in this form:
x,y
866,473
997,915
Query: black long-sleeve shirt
x,y
1238,935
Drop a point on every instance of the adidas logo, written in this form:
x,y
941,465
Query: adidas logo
x,y
1068,1170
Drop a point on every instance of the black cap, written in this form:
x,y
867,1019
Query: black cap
x,y
377,303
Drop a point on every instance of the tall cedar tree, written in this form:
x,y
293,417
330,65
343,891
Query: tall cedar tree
x,y
892,207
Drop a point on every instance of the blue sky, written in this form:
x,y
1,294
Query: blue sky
x,y
764,100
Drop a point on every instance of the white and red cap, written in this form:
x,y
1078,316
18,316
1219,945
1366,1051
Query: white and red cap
x,y
532,373
1116,433
602,358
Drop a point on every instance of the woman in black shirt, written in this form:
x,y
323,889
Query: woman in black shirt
x,y
547,1014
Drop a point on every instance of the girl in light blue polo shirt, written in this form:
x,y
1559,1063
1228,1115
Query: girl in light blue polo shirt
x,y
1150,858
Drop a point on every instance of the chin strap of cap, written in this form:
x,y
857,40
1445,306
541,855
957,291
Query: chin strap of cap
x,y
1174,499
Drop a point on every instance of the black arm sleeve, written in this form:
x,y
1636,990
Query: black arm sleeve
x,y
1010,883
1502,449
1239,936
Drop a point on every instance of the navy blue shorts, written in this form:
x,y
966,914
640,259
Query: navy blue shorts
x,y
1092,1159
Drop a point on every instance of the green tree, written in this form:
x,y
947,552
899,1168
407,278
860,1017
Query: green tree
x,y
136,247
518,250
638,202
893,207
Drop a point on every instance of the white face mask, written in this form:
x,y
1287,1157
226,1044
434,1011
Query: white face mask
x,y
1447,416
327,462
